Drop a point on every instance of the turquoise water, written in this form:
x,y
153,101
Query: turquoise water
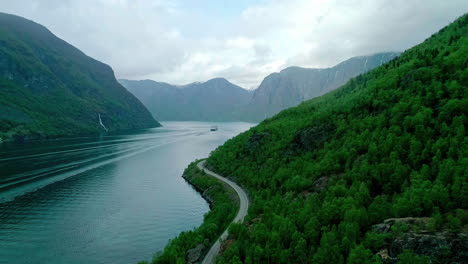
x,y
113,199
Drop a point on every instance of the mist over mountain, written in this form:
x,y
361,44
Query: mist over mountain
x,y
49,88
214,100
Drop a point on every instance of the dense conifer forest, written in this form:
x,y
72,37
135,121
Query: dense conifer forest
x,y
336,179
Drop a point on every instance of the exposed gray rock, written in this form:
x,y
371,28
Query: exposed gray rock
x,y
383,254
381,228
194,255
440,246
388,223
320,184
408,220
443,247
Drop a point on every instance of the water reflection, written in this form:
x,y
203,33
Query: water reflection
x,y
117,199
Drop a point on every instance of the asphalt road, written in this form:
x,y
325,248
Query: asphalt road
x,y
243,208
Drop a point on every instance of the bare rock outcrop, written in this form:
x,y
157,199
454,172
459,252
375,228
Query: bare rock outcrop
x,y
194,255
440,246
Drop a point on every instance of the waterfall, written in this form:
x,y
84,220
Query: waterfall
x,y
102,124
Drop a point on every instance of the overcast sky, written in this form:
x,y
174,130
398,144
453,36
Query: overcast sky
x,y
182,41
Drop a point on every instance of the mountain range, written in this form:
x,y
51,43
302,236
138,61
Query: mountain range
x,y
214,100
42,76
370,167
48,88
293,85
220,100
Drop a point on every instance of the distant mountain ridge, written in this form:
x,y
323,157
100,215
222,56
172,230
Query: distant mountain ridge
x,y
293,85
48,88
214,100
229,102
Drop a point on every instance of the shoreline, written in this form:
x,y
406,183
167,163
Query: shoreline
x,y
38,137
242,212
192,246
203,192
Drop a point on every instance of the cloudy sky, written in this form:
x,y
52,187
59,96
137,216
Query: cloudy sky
x,y
182,41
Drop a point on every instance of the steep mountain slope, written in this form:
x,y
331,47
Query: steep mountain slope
x,y
213,100
373,172
391,143
49,88
294,85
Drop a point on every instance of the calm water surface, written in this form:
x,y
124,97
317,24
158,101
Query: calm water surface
x,y
114,199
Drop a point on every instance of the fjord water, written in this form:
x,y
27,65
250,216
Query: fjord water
x,y
113,199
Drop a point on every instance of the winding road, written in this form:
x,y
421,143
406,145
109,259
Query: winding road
x,y
243,208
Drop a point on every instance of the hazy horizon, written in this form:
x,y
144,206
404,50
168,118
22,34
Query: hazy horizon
x,y
252,88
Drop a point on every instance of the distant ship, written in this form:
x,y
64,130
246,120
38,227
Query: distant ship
x,y
214,128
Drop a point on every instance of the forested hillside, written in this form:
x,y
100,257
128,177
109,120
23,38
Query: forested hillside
x,y
326,178
48,88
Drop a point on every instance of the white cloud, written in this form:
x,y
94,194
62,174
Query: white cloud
x,y
172,41
240,43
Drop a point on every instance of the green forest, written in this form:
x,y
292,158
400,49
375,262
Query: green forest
x,y
336,179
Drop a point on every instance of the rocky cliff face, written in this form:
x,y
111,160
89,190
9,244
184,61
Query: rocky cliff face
x,y
294,85
49,88
220,100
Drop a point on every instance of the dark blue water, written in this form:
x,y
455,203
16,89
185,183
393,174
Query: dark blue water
x,y
114,199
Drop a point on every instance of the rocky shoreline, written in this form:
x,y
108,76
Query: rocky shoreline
x,y
196,254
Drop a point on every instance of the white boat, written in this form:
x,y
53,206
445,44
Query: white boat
x,y
214,128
